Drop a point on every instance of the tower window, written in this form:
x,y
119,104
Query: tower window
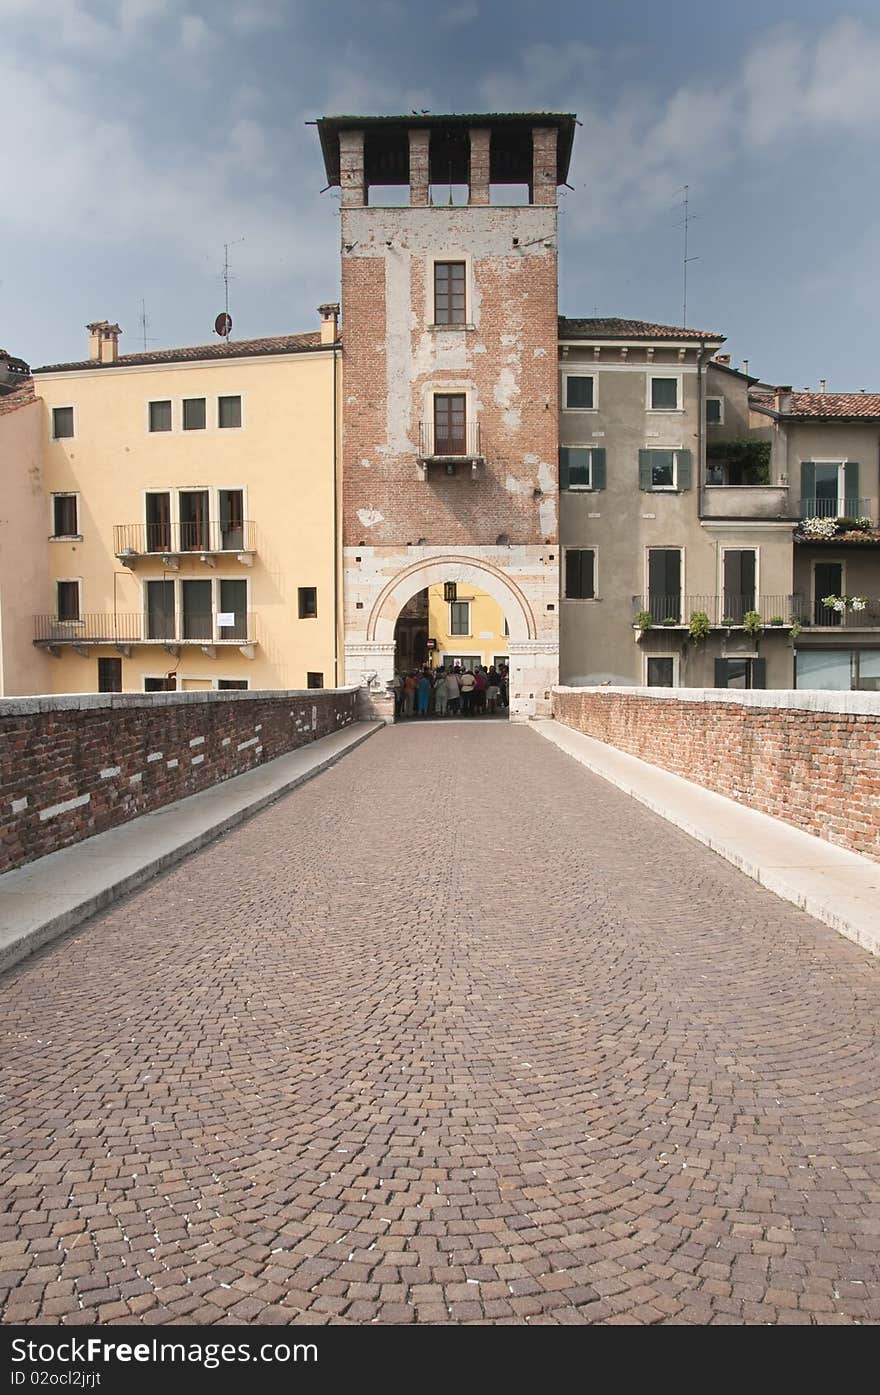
x,y
449,293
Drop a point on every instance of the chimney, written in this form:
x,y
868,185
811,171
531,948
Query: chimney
x,y
822,385
783,399
103,341
746,366
723,359
329,323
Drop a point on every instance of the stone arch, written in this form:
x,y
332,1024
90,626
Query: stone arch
x,y
495,582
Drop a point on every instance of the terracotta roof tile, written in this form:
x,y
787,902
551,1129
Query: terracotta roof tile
x,y
20,397
835,404
629,329
236,348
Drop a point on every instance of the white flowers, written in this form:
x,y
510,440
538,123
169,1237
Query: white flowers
x,y
819,527
840,603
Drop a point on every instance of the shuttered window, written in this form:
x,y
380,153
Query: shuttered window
x,y
581,467
580,574
65,520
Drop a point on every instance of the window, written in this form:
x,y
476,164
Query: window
x,y
62,423
197,610
740,673
581,467
168,684
231,519
449,293
232,684
160,416
308,602
157,508
714,411
160,609
67,601
664,584
664,469
827,581
194,415
109,675
460,617
664,394
450,423
314,680
194,531
65,515
830,489
233,608
739,567
580,574
228,412
660,671
580,392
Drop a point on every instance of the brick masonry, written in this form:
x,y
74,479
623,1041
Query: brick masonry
x,y
811,759
74,766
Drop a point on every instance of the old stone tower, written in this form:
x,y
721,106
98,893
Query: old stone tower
x,y
449,397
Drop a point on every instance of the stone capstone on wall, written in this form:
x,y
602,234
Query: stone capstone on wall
x,y
811,759
74,766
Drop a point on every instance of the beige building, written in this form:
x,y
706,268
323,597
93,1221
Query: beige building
x,y
24,562
189,500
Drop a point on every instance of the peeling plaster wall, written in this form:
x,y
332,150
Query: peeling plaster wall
x,y
396,513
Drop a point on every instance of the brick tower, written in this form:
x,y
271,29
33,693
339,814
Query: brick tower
x,y
449,391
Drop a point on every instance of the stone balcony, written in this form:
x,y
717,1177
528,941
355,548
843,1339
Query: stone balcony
x,y
747,501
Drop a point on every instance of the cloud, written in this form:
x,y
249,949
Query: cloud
x,y
458,15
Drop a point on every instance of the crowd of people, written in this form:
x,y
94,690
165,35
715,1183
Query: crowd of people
x,y
451,692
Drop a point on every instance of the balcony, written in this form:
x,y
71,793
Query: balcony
x,y
823,617
725,612
187,629
458,445
171,541
746,501
839,507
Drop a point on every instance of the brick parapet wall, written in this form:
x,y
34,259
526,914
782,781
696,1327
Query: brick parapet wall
x,y
809,758
73,766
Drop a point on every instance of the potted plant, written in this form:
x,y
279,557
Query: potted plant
x,y
644,621
776,620
699,626
752,623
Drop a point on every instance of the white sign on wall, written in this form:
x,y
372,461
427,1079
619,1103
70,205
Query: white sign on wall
x,y
226,619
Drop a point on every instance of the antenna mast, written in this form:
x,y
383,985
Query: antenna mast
x,y
687,218
144,322
226,279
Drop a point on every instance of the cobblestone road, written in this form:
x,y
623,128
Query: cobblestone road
x,y
456,1032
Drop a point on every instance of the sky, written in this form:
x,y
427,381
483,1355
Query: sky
x,y
142,135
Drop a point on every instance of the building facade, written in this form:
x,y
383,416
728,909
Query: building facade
x,y
189,504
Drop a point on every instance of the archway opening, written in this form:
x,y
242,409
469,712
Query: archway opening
x,y
452,655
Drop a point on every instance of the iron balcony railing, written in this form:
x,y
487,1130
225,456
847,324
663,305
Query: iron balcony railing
x,y
727,611
456,442
841,506
187,627
848,617
173,539
88,629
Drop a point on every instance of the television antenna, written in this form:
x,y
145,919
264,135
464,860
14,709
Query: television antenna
x,y
686,219
144,322
223,323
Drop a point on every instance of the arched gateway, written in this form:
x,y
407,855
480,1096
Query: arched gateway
x,y
379,587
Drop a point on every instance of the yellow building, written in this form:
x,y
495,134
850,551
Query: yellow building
x,y
191,511
468,630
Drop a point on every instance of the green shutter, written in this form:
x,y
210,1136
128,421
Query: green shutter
x,y
644,469
720,673
851,488
759,673
563,467
599,468
808,486
684,469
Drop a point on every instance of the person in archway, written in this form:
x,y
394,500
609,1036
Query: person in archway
x,y
493,690
478,700
466,683
441,692
423,693
453,692
409,694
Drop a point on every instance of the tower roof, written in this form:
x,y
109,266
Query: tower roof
x,y
386,146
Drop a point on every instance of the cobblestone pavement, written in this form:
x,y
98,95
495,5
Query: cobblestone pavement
x,y
456,1032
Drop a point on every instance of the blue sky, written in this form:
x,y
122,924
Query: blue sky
x,y
140,135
